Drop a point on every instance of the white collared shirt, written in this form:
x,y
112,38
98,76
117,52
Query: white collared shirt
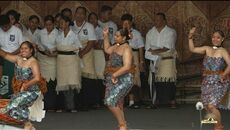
x,y
71,39
99,32
85,32
137,40
166,38
32,37
156,40
47,41
112,29
11,40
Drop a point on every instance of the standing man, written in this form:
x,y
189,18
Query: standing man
x,y
86,34
160,46
10,41
136,42
105,21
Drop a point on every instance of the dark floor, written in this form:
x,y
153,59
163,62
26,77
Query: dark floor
x,y
185,117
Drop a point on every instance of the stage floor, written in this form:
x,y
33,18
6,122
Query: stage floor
x,y
185,117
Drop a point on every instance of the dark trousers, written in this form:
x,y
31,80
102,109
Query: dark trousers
x,y
136,91
50,97
101,89
67,99
165,92
90,92
145,94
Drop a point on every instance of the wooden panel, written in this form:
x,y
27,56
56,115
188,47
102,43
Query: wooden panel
x,y
3,4
140,16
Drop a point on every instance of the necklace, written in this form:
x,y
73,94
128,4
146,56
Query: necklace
x,y
26,58
216,47
118,44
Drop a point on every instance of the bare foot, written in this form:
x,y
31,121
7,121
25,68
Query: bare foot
x,y
29,126
218,127
122,127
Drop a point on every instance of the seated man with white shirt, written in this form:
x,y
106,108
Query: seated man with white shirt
x,y
10,41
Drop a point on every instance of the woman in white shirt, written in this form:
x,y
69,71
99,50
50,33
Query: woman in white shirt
x,y
68,64
32,33
47,60
99,57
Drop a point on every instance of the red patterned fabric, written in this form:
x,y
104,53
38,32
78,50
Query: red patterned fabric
x,y
9,120
5,118
3,102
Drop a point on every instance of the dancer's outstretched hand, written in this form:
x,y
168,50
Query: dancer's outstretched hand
x,y
192,30
105,31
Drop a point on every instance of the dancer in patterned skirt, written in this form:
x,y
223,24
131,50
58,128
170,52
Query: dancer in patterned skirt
x,y
215,85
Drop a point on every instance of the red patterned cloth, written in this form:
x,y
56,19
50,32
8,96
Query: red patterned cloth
x,y
3,102
9,120
5,118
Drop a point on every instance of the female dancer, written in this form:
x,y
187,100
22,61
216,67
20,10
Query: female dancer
x,y
216,69
118,74
28,87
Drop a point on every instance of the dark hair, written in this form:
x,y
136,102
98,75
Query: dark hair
x,y
30,45
66,19
127,16
49,18
34,17
57,15
66,10
162,15
81,7
15,14
124,33
105,8
92,13
220,32
4,20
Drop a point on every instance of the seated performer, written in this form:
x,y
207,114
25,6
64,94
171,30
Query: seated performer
x,y
26,103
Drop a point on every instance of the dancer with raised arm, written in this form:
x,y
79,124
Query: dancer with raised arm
x,y
215,84
26,104
118,74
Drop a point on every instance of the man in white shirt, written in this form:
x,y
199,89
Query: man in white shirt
x,y
105,21
86,34
136,42
160,45
10,41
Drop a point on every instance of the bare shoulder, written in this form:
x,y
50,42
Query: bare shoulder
x,y
223,50
127,47
33,61
207,47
